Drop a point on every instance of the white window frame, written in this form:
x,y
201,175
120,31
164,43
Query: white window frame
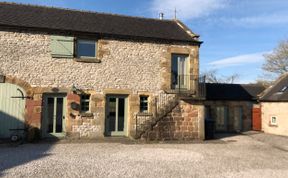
x,y
86,40
271,120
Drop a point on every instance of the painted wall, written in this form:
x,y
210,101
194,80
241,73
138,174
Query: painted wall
x,y
278,110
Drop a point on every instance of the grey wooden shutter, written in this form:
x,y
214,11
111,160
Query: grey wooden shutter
x,y
62,46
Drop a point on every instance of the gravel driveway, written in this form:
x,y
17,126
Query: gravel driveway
x,y
233,156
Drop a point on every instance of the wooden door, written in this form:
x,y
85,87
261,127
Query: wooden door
x,y
238,118
256,119
12,108
221,118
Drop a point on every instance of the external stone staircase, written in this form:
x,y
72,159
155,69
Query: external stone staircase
x,y
163,105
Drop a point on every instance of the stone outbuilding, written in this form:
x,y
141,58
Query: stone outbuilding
x,y
231,106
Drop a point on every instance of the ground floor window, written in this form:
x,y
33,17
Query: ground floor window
x,y
85,102
143,104
273,120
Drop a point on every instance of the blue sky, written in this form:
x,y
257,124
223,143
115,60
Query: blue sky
x,y
236,33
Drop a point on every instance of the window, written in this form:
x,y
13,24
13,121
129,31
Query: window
x,y
85,100
143,103
221,118
273,120
179,71
86,48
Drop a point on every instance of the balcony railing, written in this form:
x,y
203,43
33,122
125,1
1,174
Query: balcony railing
x,y
191,85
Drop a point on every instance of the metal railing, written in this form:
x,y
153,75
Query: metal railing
x,y
188,84
161,106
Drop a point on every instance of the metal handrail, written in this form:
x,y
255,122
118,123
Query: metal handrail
x,y
165,102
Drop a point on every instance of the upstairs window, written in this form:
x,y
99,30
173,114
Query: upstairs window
x,y
144,104
85,102
179,71
67,47
86,48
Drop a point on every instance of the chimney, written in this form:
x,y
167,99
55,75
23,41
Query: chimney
x,y
161,16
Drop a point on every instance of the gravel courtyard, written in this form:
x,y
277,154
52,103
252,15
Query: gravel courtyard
x,y
233,156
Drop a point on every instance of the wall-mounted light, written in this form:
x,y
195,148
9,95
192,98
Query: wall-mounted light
x,y
74,89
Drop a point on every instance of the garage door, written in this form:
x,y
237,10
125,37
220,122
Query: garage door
x,y
12,107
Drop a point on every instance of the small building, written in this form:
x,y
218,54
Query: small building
x,y
231,105
274,107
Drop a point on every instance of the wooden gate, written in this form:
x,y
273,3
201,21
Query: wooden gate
x,y
12,108
256,119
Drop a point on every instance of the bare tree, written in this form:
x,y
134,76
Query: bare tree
x,y
213,77
277,62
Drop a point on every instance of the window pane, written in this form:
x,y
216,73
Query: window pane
x,y
143,103
178,70
86,48
85,102
121,114
50,111
59,116
112,114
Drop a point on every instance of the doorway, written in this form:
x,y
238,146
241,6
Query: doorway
x,y
179,71
53,122
116,116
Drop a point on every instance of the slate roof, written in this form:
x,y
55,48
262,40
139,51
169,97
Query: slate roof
x,y
41,17
277,92
233,92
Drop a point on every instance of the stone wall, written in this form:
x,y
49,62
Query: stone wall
x,y
131,65
247,113
185,122
135,67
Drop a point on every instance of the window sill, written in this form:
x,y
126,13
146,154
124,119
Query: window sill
x,y
88,60
273,125
86,114
144,114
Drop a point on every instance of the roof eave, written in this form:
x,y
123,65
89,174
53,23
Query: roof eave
x,y
51,30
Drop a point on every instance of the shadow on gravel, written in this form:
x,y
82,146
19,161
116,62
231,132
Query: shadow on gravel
x,y
218,138
11,156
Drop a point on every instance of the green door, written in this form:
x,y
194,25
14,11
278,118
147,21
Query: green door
x,y
116,116
53,121
12,107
